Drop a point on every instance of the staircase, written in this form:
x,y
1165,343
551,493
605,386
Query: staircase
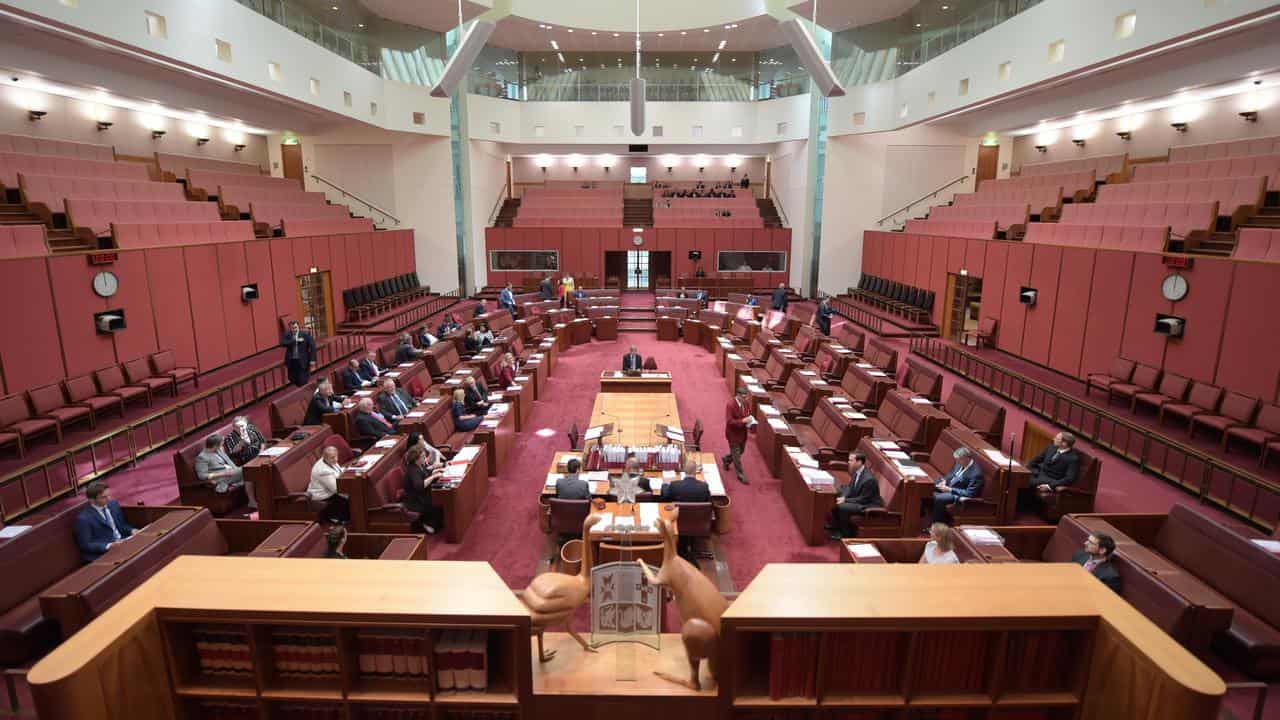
x,y
1223,244
638,319
1268,217
1219,244
769,213
507,215
59,240
637,212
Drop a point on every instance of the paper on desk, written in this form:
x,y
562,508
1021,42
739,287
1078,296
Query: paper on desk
x,y
522,378
391,374
598,476
668,475
515,388
817,382
13,531
467,453
593,433
606,519
535,356
1271,546
366,461
921,401
490,424
455,471
617,373
624,521
495,397
711,476
655,485
983,536
1000,458
453,381
804,460
363,393
274,451
771,411
838,399
806,372
649,514
387,443
463,371
814,476
864,550
864,365
416,414
885,444
499,408
897,455
777,424
915,471
877,373
431,401
855,416
653,375
552,480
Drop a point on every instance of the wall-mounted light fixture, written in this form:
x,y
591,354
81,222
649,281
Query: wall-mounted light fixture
x,y
240,146
1179,126
157,134
1042,148
543,161
1250,115
1124,135
34,115
103,125
575,161
701,162
1078,142
202,141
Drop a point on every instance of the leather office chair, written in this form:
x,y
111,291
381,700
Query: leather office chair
x,y
1077,498
650,363
575,437
694,439
695,521
567,516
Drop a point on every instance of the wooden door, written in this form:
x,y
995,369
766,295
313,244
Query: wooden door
x,y
291,161
953,307
315,299
615,268
988,164
659,269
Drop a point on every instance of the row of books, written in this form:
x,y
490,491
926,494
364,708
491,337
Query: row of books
x,y
222,652
225,710
392,656
302,654
462,660
793,665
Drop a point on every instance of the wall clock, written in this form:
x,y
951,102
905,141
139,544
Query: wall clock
x,y
106,284
638,240
1174,287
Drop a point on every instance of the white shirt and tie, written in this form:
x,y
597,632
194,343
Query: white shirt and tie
x,y
105,512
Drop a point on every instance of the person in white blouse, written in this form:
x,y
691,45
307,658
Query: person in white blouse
x,y
939,550
323,488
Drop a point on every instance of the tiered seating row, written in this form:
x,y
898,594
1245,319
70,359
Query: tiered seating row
x,y
377,297
1101,165
981,229
98,215
236,200
204,183
144,235
1233,195
1041,201
1005,216
174,166
13,163
570,207
27,145
52,192
1078,185
1237,167
326,226
1109,237
1227,149
1182,217
274,214
1258,244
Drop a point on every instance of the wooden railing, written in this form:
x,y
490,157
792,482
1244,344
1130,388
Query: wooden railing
x,y
1210,479
54,477
857,315
418,313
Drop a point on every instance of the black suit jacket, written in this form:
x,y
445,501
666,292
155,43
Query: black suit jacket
x,y
686,489
318,407
1048,470
862,493
351,380
367,370
779,299
369,426
572,487
389,409
307,348
476,400
406,353
632,361
1104,571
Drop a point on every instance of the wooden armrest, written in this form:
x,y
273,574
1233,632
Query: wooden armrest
x,y
875,511
869,412
920,456
842,465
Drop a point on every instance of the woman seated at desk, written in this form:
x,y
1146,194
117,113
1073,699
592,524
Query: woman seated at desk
x,y
462,420
507,370
939,550
418,477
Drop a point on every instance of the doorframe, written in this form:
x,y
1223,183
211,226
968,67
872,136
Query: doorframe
x,y
326,290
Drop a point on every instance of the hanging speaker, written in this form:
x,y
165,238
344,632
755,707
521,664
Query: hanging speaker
x,y
462,58
811,57
638,86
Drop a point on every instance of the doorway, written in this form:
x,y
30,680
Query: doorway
x,y
638,270
291,162
615,269
659,269
988,164
315,298
639,175
963,302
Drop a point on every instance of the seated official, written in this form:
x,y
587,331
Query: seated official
x,y
426,339
571,487
940,549
418,477
1057,465
472,342
368,423
475,395
334,542
323,488
1096,558
632,362
353,377
688,489
323,402
100,524
463,421
962,482
212,466
369,366
394,403
862,492
243,442
447,325
406,352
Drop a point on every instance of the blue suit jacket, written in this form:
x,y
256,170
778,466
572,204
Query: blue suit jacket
x,y
366,370
965,484
93,533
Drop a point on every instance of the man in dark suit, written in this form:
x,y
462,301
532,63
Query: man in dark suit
x,y
368,423
688,489
822,317
737,418
369,369
780,297
572,487
100,524
963,481
393,402
479,309
299,353
447,325
1096,558
1057,466
546,290
323,402
632,360
406,352
351,377
862,492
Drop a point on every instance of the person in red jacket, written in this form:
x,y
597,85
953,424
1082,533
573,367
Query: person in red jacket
x,y
507,371
737,418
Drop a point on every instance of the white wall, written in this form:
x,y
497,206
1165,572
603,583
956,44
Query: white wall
x,y
859,169
790,179
526,170
488,178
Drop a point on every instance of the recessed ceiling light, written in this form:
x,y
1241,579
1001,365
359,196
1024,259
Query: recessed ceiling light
x,y
706,29
726,27
335,7
919,25
682,32
359,25
662,34
946,7
615,34
570,29
593,32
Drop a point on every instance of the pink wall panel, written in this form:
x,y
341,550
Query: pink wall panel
x,y
258,270
321,257
1140,343
1013,314
384,264
1038,328
571,252
873,245
171,302
938,282
975,254
924,263
1074,280
283,279
364,241
1251,335
589,254
911,265
1104,331
32,357
356,270
75,302
1195,355
955,254
238,315
899,251
134,297
993,282
302,256
207,313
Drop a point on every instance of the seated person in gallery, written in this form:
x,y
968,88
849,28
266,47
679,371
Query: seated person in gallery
x,y
485,334
243,441
632,362
688,489
940,549
352,377
1096,558
323,402
426,339
463,421
571,487
479,309
862,492
369,366
100,524
369,423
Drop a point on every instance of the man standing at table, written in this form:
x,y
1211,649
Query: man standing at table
x,y
545,289
299,354
737,418
780,298
632,361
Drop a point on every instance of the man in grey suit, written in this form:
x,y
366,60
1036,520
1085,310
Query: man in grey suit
x,y
213,466
572,487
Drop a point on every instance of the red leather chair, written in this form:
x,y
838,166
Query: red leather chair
x,y
1120,372
111,381
1144,380
81,389
17,420
138,372
49,401
165,362
1263,434
1203,400
1173,389
1237,411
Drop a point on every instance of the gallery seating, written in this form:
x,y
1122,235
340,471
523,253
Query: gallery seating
x,y
1076,185
1202,399
326,226
1263,434
914,304
46,195
98,215
920,379
1245,166
1044,202
130,236
365,301
1172,389
866,387
165,363
83,390
1255,243
1145,378
28,145
203,183
49,401
1237,198
988,507
1103,166
272,215
980,229
879,353
22,241
1005,216
1237,410
52,165
1121,371
235,200
1142,238
173,167
1226,149
18,424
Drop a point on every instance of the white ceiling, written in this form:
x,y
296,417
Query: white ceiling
x,y
438,15
517,33
837,15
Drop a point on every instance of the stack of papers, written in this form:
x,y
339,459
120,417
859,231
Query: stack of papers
x,y
1271,546
416,414
405,365
863,550
653,375
606,519
885,444
877,373
771,411
711,476
921,401
649,514
13,531
983,536
814,477
385,443
274,451
778,424
454,472
495,397
552,480
490,424
522,378
598,476
897,455
734,356
593,433
467,454
855,416
806,372
1000,458
363,393
804,460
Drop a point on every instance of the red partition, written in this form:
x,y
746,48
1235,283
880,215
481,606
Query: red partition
x,y
1140,344
993,282
1038,328
302,256
76,303
238,316
265,318
975,255
207,314
1104,331
1013,314
938,280
1195,354
1251,333
1074,280
32,357
171,299
134,297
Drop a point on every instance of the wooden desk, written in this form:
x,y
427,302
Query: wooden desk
x,y
634,414
358,477
648,381
521,396
498,433
461,502
645,535
772,441
602,489
419,416
809,506
735,366
261,471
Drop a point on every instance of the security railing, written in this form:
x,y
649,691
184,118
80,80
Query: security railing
x,y
857,315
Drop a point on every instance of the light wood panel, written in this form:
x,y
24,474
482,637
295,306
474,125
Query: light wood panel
x,y
634,414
